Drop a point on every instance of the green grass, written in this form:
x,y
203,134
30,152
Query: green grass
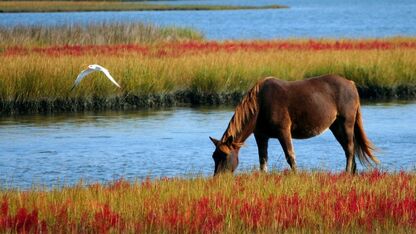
x,y
158,66
68,6
37,82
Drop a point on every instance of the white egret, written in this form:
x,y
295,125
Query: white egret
x,y
92,68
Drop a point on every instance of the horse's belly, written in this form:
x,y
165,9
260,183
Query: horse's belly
x,y
308,132
310,128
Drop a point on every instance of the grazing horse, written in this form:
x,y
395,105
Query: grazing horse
x,y
295,109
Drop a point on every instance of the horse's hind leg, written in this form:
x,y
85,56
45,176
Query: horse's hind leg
x,y
262,144
343,131
286,142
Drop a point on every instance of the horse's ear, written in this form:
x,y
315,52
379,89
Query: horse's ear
x,y
215,141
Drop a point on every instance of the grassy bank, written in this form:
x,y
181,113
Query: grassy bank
x,y
93,34
159,66
68,6
166,74
248,203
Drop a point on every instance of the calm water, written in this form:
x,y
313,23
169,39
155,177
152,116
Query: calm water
x,y
304,18
103,146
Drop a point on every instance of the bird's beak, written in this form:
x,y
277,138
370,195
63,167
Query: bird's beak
x,y
73,87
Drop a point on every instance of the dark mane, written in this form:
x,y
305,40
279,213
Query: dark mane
x,y
244,112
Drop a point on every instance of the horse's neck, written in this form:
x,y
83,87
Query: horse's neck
x,y
241,126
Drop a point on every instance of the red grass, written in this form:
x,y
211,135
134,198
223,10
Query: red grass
x,y
105,219
196,47
360,207
22,222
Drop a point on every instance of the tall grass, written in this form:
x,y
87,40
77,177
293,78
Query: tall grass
x,y
65,6
248,203
39,79
50,76
93,34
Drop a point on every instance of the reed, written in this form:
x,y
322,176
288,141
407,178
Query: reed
x,y
93,34
69,6
39,79
247,203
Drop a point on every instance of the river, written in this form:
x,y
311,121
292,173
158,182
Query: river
x,y
303,18
64,148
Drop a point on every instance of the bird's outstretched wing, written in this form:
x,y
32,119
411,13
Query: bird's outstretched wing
x,y
81,76
107,73
93,68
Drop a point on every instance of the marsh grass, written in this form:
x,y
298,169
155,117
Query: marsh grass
x,y
68,6
246,203
40,81
93,34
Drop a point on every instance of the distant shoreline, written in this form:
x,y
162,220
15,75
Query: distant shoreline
x,y
86,6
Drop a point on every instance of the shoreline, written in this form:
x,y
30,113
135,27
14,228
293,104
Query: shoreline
x,y
177,99
88,6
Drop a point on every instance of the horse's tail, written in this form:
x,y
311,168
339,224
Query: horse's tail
x,y
363,146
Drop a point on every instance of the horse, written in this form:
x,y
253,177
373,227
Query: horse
x,y
301,109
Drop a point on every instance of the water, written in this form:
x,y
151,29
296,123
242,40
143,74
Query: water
x,y
99,147
304,18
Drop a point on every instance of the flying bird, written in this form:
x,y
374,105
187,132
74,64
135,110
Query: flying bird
x,y
92,68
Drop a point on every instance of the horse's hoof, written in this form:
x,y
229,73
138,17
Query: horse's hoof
x,y
294,170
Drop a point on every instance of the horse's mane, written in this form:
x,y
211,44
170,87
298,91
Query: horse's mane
x,y
244,112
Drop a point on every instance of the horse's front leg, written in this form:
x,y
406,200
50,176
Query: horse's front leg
x,y
285,140
262,144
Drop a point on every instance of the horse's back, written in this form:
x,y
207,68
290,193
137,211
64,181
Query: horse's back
x,y
308,106
343,92
326,88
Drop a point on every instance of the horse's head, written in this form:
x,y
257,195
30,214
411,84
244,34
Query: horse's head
x,y
225,155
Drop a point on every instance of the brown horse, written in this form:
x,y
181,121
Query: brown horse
x,y
299,109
